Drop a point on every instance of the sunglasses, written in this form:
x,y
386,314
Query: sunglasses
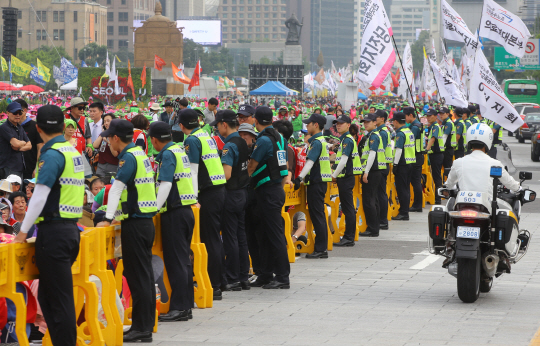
x,y
17,113
81,108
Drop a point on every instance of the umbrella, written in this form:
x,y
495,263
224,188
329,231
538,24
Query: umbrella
x,y
361,96
388,93
32,88
7,86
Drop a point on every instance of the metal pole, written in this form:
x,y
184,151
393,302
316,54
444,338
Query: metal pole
x,y
404,74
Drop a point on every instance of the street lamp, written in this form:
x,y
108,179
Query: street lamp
x,y
29,41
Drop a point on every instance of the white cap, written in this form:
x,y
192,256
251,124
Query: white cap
x,y
12,178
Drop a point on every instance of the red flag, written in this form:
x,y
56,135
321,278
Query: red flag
x,y
320,77
143,75
158,63
395,80
130,81
178,74
195,77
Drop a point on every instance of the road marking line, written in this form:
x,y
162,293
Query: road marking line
x,y
425,262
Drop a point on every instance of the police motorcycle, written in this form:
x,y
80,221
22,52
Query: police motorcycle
x,y
479,237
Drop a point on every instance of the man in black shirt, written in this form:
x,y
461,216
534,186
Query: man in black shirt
x,y
30,156
13,142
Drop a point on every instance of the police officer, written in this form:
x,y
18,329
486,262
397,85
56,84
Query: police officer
x,y
234,158
474,115
210,181
268,167
348,165
56,206
497,137
461,132
132,200
384,133
449,136
373,165
404,158
316,175
417,128
175,196
435,149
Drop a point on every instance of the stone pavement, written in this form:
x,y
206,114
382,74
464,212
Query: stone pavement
x,y
370,295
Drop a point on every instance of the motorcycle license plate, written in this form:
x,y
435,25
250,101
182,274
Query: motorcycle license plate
x,y
468,232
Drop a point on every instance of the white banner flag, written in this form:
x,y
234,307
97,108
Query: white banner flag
x,y
448,88
504,28
377,52
494,105
433,54
454,28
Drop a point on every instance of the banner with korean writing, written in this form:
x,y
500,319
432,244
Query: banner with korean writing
x,y
504,28
448,88
20,68
36,77
454,28
486,91
377,54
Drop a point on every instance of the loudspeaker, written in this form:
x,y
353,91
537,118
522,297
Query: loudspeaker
x,y
292,76
9,15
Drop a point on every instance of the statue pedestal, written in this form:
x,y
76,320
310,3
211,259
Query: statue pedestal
x,y
292,55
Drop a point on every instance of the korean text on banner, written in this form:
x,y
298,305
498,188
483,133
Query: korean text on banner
x,y
504,28
484,90
448,88
377,53
20,68
454,28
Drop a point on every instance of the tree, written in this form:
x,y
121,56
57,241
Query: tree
x,y
307,64
417,50
124,55
93,52
242,69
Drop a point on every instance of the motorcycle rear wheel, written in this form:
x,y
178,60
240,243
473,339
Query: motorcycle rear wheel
x,y
468,278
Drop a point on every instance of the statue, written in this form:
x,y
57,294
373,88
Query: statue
x,y
295,29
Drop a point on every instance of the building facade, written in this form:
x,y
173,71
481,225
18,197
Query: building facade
x,y
253,20
174,9
71,25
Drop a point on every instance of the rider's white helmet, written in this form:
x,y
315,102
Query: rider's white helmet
x,y
480,133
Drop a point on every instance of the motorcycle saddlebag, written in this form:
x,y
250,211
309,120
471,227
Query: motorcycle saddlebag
x,y
505,223
437,221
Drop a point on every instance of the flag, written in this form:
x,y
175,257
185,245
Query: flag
x,y
143,75
320,77
448,88
377,52
36,77
158,63
4,63
69,71
96,64
130,81
83,64
19,68
43,71
112,74
195,78
484,90
178,74
58,75
454,28
226,82
407,65
433,55
245,81
504,27
117,58
107,68
429,82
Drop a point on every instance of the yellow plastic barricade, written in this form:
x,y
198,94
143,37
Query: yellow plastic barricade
x,y
204,294
429,189
298,196
292,198
360,215
391,191
332,190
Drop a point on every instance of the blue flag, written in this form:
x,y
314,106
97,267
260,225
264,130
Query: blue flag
x,y
68,71
36,77
96,65
83,64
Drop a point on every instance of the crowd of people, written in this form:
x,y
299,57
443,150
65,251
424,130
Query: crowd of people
x,y
70,157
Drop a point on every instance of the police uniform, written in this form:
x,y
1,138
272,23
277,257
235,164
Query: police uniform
x,y
60,169
270,152
417,128
436,156
234,154
177,222
461,130
449,130
384,133
135,210
201,149
370,196
402,169
497,137
346,180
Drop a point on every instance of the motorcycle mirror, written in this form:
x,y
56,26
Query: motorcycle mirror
x,y
525,175
529,196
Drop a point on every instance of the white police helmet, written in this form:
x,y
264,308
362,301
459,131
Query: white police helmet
x,y
480,133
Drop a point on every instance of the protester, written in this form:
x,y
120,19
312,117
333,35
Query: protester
x,y
29,126
107,160
210,111
13,142
15,181
30,187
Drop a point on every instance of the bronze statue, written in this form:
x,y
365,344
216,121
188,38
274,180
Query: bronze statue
x,y
295,29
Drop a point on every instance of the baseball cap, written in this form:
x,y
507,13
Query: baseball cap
x,y
315,118
246,110
247,128
120,128
12,178
14,107
342,119
444,110
264,115
159,129
399,116
188,116
224,115
431,111
49,115
369,117
30,181
77,101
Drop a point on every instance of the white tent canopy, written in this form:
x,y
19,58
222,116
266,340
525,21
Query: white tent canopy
x,y
70,86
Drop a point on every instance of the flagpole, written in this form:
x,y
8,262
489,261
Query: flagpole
x,y
405,74
435,79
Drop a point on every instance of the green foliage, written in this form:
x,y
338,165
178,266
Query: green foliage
x,y
241,68
210,60
92,53
3,106
417,51
48,56
88,73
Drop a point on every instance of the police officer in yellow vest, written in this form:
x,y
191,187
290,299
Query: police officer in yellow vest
x,y
175,196
132,200
417,128
209,180
404,158
316,174
56,206
373,165
348,166
435,149
461,132
449,136
384,133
